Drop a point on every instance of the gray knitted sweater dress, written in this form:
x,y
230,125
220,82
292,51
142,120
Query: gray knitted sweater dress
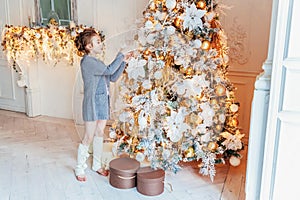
x,y
96,79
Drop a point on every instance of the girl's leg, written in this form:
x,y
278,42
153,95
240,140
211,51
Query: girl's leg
x,y
98,148
83,154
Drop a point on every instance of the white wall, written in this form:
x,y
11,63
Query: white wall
x,y
247,25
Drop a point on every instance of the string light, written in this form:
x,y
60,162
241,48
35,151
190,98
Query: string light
x,y
53,43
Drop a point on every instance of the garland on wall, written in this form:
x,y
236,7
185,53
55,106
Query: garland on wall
x,y
52,43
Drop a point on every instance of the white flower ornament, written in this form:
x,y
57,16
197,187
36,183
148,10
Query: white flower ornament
x,y
192,18
135,68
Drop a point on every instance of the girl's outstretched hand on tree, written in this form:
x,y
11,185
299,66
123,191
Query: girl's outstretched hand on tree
x,y
128,56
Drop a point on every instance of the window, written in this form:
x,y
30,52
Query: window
x,y
63,11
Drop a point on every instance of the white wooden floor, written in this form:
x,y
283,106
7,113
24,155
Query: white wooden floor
x,y
37,156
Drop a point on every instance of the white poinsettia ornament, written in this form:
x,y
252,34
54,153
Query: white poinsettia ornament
x,y
232,142
180,88
207,113
176,125
135,68
192,18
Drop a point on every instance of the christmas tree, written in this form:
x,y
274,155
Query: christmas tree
x,y
176,102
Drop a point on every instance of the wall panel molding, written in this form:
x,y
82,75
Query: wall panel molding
x,y
238,40
245,73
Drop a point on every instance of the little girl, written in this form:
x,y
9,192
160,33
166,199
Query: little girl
x,y
96,101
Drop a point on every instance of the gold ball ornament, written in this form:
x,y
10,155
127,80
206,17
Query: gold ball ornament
x,y
235,122
168,111
219,127
182,69
194,119
189,71
177,22
234,108
146,52
214,101
212,146
234,161
205,45
201,4
189,153
220,90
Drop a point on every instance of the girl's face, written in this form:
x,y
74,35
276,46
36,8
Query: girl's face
x,y
96,47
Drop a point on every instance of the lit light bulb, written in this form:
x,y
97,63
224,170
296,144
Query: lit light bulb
x,y
205,45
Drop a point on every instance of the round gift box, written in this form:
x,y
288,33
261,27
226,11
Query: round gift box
x,y
150,181
123,172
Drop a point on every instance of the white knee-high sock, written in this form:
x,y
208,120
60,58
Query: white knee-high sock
x,y
97,153
82,156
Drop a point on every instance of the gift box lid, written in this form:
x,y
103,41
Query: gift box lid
x,y
127,165
150,175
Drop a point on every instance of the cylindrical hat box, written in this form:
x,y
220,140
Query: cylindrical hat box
x,y
123,172
150,182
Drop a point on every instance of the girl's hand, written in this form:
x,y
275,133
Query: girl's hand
x,y
128,56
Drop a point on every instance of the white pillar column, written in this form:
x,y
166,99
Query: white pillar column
x,y
258,121
30,80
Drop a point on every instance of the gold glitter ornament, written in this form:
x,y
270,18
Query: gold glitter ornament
x,y
212,146
189,153
189,71
218,127
235,122
168,111
220,90
182,70
177,22
214,101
